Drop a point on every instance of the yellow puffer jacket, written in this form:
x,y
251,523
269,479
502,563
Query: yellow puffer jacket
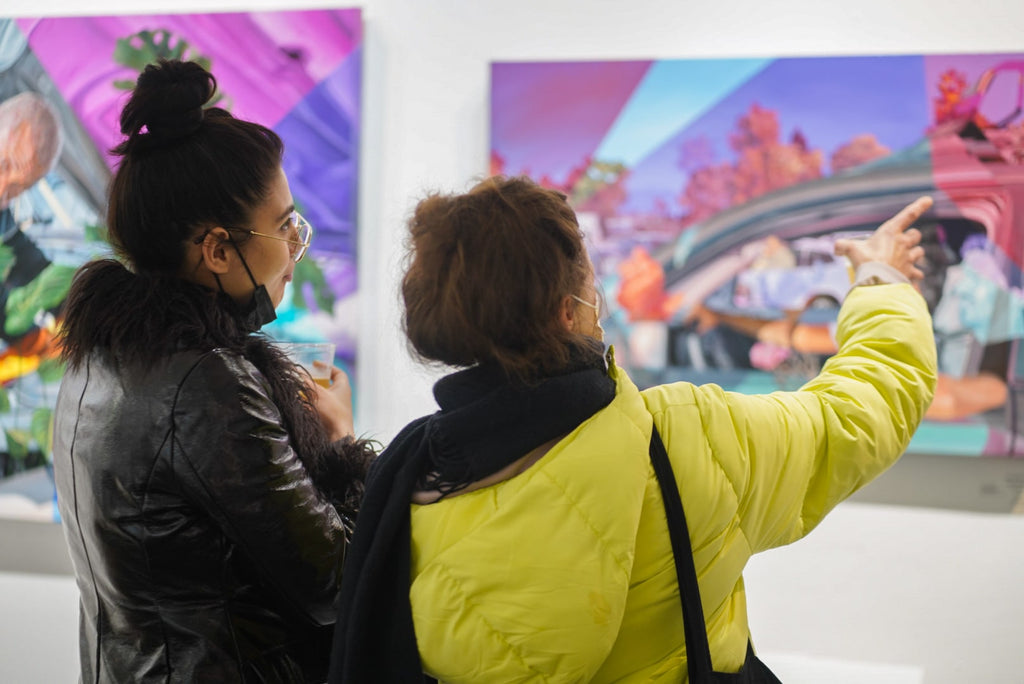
x,y
564,573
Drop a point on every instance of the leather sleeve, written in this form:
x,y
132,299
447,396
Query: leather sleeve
x,y
236,461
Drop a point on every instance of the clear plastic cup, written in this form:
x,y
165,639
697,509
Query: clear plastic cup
x,y
306,353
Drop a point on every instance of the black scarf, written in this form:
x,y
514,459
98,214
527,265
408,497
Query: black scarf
x,y
485,423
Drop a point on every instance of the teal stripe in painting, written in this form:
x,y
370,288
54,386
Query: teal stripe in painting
x,y
672,94
956,439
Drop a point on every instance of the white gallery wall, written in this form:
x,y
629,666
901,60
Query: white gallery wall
x,y
882,594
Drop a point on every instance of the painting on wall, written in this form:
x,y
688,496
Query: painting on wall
x,y
63,81
712,192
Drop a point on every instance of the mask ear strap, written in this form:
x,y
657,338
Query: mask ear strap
x,y
581,300
261,310
242,259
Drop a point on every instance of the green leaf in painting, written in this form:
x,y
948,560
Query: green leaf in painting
x,y
49,289
308,272
17,443
50,370
96,232
42,429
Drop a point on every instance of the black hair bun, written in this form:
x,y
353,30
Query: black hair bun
x,y
167,103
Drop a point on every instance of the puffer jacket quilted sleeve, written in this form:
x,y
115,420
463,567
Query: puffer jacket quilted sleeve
x,y
787,458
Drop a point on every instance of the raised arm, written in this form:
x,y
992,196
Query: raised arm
x,y
790,457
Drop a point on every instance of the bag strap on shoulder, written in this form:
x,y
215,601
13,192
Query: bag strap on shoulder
x,y
698,653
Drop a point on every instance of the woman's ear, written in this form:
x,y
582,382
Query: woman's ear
x,y
567,313
216,255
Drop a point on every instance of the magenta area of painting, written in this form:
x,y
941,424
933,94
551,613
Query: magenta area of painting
x,y
298,73
716,188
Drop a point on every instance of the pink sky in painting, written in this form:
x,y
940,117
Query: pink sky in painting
x,y
549,117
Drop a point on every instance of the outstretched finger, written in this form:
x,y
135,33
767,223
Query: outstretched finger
x,y
912,236
906,217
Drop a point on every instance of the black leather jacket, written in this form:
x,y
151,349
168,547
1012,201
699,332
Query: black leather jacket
x,y
202,549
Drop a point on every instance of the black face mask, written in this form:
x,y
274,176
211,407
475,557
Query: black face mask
x,y
260,309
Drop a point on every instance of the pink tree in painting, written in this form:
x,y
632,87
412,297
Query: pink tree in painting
x,y
711,186
860,150
497,165
592,185
951,86
764,163
600,188
709,190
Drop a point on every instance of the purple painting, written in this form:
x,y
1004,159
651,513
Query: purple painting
x,y
298,73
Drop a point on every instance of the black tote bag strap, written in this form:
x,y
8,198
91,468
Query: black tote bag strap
x,y
698,652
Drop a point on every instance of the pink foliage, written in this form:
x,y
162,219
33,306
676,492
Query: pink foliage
x,y
758,128
497,164
860,150
606,200
709,191
576,173
951,87
773,166
764,163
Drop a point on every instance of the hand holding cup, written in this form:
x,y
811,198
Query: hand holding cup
x,y
332,392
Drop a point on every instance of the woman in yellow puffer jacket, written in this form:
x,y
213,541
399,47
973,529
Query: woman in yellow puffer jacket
x,y
519,534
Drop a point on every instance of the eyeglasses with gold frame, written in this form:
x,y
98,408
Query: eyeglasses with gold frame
x,y
296,221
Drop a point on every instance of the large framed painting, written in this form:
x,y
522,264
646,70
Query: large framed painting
x,y
712,192
62,84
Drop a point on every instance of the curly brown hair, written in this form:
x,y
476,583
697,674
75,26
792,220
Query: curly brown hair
x,y
487,273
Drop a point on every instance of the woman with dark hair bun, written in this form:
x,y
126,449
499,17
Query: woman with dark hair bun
x,y
208,486
520,532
